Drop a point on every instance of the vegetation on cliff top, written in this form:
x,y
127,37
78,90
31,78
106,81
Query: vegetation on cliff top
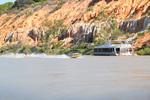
x,y
6,6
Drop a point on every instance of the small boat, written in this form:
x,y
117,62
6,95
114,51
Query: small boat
x,y
75,55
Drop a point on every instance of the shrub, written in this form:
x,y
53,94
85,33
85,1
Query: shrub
x,y
30,13
41,49
88,51
39,0
101,15
36,14
148,12
141,34
145,51
65,51
98,5
4,7
80,50
34,50
107,7
148,29
82,46
26,48
90,8
99,41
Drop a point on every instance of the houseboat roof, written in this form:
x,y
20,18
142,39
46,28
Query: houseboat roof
x,y
116,46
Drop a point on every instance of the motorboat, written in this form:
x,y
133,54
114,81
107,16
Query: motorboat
x,y
75,55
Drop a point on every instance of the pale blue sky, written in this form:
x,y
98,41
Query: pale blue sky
x,y
4,1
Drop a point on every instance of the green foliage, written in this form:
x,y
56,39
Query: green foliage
x,y
101,15
116,34
148,29
113,24
65,51
39,0
55,29
98,5
26,48
111,32
141,34
88,51
107,7
29,49
82,46
99,41
40,49
90,8
47,23
2,50
6,6
145,51
148,12
25,3
9,48
36,14
30,13
57,44
128,35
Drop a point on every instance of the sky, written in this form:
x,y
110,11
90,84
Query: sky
x,y
4,1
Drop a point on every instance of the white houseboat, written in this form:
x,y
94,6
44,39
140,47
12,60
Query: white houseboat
x,y
114,49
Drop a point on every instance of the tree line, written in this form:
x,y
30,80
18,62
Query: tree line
x,y
17,4
22,3
6,6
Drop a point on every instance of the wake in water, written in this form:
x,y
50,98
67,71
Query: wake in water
x,y
33,55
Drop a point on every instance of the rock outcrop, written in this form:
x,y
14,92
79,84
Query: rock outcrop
x,y
84,31
134,26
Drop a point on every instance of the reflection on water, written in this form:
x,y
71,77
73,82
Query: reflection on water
x,y
89,78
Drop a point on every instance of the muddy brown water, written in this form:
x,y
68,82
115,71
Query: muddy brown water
x,y
85,78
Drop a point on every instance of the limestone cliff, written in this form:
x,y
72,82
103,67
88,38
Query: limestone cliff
x,y
78,15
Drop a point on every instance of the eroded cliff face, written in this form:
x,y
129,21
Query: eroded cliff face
x,y
77,15
134,26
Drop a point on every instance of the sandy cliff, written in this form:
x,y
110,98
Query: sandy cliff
x,y
77,15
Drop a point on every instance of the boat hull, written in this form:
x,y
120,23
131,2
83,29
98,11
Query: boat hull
x,y
75,56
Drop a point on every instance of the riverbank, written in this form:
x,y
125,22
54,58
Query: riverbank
x,y
59,51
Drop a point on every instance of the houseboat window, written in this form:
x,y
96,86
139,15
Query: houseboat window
x,y
95,50
104,50
118,50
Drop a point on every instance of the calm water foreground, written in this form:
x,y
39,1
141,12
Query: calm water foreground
x,y
85,78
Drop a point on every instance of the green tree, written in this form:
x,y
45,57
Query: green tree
x,y
110,32
55,29
39,0
6,6
19,3
148,29
149,12
22,3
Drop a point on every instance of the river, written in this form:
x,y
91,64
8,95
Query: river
x,y
85,78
